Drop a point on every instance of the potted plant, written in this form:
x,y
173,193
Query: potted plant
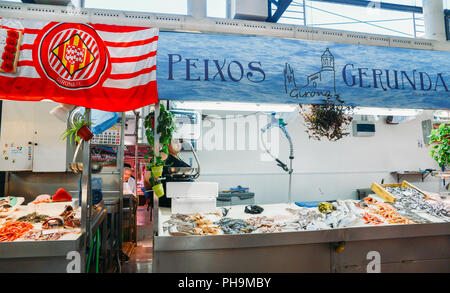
x,y
165,129
440,151
329,120
157,167
157,187
79,130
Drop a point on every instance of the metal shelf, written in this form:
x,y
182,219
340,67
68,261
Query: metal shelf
x,y
399,174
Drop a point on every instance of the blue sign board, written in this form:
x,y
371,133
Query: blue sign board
x,y
213,67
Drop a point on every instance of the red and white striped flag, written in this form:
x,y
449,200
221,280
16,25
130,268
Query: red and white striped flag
x,y
105,67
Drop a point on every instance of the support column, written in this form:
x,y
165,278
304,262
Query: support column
x,y
196,8
433,13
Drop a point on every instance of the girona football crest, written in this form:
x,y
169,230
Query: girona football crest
x,y
72,55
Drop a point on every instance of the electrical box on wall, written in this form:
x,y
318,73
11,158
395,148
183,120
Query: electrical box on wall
x,y
363,126
31,138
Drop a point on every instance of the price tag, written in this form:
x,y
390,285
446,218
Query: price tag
x,y
50,231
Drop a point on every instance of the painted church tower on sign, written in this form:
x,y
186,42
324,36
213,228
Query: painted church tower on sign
x,y
324,80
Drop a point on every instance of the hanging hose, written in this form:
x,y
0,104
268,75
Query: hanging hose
x,y
282,125
89,255
91,249
98,250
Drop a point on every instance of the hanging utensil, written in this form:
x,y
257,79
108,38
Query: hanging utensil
x,y
74,166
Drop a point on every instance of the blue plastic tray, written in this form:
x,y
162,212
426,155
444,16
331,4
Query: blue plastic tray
x,y
307,204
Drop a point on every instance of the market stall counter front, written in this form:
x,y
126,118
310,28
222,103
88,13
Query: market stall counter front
x,y
401,248
38,256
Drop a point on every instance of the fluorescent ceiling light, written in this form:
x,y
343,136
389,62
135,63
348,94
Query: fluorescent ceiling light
x,y
235,106
386,111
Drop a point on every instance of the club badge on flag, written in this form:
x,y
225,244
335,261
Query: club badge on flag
x,y
105,67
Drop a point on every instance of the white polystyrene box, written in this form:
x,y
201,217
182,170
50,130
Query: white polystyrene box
x,y
193,205
51,208
192,189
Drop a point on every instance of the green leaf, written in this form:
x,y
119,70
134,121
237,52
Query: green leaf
x,y
165,149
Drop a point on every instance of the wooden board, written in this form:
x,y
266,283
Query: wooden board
x,y
16,55
380,189
382,192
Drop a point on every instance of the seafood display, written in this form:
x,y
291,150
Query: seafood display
x,y
42,198
68,213
327,215
203,226
325,207
5,208
412,200
343,214
234,226
264,224
5,204
33,218
382,213
8,205
14,230
52,223
178,225
68,216
39,235
72,223
18,225
196,224
372,219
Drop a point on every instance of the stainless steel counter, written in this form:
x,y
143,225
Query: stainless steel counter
x,y
42,256
37,256
402,248
23,249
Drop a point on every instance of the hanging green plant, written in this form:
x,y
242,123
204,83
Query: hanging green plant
x,y
165,129
79,130
440,151
329,120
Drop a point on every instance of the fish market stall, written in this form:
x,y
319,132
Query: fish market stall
x,y
38,237
45,233
55,116
410,231
288,238
398,226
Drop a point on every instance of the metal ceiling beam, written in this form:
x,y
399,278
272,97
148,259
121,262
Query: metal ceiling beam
x,y
382,5
185,23
282,5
